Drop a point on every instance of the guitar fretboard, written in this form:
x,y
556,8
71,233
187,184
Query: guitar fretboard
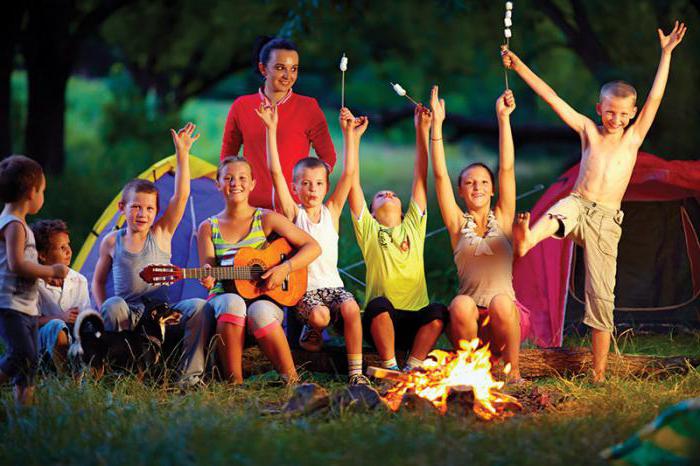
x,y
252,272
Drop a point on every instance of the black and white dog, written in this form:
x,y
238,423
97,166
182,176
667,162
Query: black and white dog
x,y
137,350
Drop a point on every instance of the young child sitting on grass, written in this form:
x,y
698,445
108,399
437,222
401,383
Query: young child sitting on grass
x,y
397,313
22,185
326,300
144,241
591,215
60,299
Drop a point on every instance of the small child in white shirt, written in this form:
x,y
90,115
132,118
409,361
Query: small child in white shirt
x,y
60,300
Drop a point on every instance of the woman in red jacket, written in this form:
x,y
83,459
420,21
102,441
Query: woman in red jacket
x,y
301,122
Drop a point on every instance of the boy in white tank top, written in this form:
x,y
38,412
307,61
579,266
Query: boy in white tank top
x,y
325,300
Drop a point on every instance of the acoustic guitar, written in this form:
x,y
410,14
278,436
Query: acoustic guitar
x,y
248,265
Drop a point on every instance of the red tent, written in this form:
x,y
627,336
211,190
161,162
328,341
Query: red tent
x,y
542,277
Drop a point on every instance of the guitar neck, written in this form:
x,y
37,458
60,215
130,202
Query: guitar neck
x,y
224,273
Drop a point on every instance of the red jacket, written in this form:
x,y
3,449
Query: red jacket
x,y
301,123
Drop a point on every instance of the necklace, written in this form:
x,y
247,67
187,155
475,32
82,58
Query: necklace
x,y
469,232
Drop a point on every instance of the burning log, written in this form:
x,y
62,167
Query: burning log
x,y
467,369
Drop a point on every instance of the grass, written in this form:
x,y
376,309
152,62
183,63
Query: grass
x,y
121,421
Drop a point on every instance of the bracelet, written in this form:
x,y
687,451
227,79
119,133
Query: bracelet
x,y
438,139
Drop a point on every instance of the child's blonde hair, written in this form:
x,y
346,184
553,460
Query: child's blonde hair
x,y
620,89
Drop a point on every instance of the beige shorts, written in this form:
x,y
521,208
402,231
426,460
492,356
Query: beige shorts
x,y
597,229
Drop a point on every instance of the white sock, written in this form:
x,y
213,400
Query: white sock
x,y
354,364
390,364
412,363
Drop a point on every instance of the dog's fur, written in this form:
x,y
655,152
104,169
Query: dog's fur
x,y
136,350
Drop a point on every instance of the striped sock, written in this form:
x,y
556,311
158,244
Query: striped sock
x,y
354,364
390,364
412,363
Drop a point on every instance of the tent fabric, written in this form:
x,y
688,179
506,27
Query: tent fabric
x,y
541,277
203,202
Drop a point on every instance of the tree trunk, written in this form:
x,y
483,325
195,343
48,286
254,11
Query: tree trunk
x,y
9,33
49,54
44,134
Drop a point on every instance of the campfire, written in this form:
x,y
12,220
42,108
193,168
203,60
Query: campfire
x,y
464,374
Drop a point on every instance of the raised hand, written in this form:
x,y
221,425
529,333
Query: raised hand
x,y
422,117
184,138
669,42
268,114
437,106
510,60
346,119
505,103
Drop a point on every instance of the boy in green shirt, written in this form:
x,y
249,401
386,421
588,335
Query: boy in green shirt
x,y
397,313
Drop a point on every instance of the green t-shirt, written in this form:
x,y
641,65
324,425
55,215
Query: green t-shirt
x,y
394,258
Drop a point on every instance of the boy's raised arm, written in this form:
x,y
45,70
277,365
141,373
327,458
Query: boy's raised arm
x,y
270,118
183,140
352,129
571,117
505,207
451,213
422,118
651,106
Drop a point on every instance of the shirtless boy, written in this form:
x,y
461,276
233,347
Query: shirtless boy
x,y
591,214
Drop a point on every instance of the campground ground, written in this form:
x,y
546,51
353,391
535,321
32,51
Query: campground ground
x,y
121,421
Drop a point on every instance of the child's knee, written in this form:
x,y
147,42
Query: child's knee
x,y
463,309
263,316
113,311
350,310
320,317
501,308
229,308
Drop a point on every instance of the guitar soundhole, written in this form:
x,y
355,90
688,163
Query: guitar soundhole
x,y
256,270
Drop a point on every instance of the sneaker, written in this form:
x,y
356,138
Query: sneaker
x,y
358,379
310,339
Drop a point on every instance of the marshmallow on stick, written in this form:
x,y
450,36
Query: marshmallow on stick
x,y
508,22
402,92
343,67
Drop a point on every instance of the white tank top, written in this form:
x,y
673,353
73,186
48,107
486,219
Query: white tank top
x,y
323,272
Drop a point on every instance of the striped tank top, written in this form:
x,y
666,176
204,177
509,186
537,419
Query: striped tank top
x,y
224,252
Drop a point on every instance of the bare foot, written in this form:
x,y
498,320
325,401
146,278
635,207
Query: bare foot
x,y
598,377
522,236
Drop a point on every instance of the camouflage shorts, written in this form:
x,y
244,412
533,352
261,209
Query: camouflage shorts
x,y
332,298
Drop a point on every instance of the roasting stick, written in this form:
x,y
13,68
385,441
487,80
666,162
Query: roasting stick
x,y
508,22
402,92
343,67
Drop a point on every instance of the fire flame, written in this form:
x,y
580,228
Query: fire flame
x,y
467,369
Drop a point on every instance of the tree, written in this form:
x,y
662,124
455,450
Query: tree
x,y
51,40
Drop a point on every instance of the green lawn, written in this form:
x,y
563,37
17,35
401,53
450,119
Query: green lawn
x,y
122,421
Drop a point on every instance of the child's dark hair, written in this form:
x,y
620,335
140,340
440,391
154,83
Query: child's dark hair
x,y
233,159
472,165
140,185
310,162
264,45
18,176
44,230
